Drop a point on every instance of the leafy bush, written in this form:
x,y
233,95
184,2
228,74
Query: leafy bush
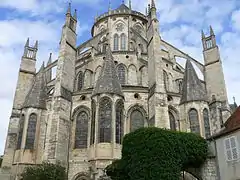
x,y
45,171
158,154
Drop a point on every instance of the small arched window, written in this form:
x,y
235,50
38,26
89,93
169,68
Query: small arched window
x,y
105,121
119,122
121,74
123,41
31,131
20,132
92,140
80,81
206,123
136,121
172,121
116,43
194,121
81,132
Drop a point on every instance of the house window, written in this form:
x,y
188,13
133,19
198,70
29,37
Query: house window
x,y
194,121
81,132
172,121
80,80
115,43
231,148
121,73
105,120
31,131
92,140
209,44
123,42
136,121
119,122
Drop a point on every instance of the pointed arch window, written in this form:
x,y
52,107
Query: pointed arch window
x,y
105,121
116,42
20,132
92,138
31,131
206,123
121,74
123,41
119,122
80,80
166,80
136,121
172,121
81,132
194,121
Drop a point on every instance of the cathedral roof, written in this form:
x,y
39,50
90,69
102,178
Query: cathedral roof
x,y
108,81
37,95
192,89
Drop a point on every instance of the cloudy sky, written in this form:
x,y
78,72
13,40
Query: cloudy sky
x,y
181,22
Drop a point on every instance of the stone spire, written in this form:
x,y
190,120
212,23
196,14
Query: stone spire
x,y
108,81
36,45
69,9
49,59
203,35
130,4
75,14
193,89
211,31
27,43
37,95
153,4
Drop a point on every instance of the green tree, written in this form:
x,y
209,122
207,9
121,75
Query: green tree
x,y
45,171
158,154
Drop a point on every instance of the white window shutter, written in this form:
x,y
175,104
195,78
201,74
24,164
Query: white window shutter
x,y
228,150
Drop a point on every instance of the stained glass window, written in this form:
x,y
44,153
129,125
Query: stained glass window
x,y
80,80
136,121
121,74
206,123
172,121
81,133
194,121
105,120
119,122
20,132
123,41
31,131
92,140
116,42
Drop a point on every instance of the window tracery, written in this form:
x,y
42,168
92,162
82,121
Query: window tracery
x,y
31,131
121,74
136,120
80,81
119,122
194,121
123,41
81,132
20,133
172,121
105,121
116,42
92,140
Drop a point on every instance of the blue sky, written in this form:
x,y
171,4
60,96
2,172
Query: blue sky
x,y
181,22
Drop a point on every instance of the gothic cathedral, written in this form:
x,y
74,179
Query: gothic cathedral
x,y
123,78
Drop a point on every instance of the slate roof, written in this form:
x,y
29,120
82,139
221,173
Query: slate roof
x,y
108,81
37,95
192,89
123,8
231,125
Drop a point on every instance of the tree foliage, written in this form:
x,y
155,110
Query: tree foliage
x,y
158,154
45,171
1,159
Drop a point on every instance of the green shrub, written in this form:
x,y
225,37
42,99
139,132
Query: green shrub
x,y
158,154
45,171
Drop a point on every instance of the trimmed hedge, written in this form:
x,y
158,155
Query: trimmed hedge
x,y
45,171
158,154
